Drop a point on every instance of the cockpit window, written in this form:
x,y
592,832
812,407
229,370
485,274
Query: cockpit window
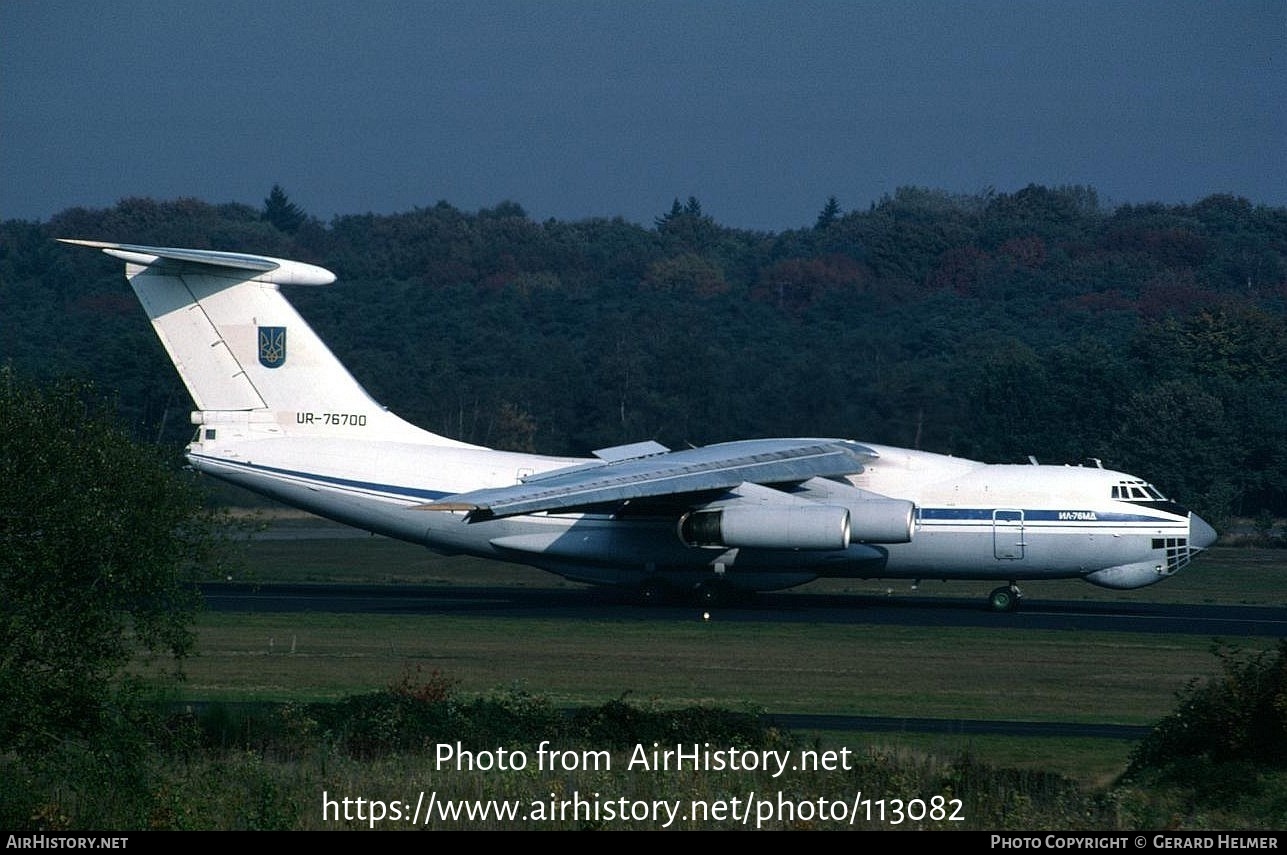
x,y
1137,491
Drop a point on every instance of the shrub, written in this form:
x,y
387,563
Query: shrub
x,y
1239,717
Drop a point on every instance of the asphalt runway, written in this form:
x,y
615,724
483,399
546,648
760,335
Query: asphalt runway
x,y
1216,621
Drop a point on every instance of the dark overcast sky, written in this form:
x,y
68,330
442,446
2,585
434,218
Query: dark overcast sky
x,y
581,109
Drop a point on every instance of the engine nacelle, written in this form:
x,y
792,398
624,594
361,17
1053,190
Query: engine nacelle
x,y
881,521
768,527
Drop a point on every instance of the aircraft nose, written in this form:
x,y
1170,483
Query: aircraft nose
x,y
1201,535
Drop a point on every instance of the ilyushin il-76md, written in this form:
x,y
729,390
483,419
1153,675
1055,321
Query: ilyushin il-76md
x,y
277,413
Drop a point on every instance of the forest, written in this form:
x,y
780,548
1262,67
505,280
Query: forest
x,y
994,326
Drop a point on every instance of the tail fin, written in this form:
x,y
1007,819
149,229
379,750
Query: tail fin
x,y
241,348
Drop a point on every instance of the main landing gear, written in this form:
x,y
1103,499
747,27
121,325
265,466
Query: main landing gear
x,y
1005,598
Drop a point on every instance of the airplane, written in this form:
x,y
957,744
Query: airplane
x,y
277,413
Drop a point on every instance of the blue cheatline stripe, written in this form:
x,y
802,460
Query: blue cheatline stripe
x,y
409,493
1070,515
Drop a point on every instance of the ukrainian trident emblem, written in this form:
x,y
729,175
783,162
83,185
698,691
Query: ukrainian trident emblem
x,y
272,347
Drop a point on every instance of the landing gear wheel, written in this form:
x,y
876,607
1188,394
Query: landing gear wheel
x,y
1004,599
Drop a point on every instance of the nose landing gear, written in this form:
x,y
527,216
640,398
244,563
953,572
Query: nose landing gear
x,y
1005,598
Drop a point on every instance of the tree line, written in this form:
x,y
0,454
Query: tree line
x,y
992,325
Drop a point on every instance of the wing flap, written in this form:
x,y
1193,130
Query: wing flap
x,y
694,470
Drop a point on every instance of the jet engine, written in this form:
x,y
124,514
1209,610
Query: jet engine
x,y
768,527
881,521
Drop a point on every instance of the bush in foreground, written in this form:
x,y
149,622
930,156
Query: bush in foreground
x,y
1222,753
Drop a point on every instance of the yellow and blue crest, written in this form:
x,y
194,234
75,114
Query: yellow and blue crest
x,y
272,347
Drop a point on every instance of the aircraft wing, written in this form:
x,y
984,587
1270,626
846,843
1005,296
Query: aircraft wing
x,y
672,473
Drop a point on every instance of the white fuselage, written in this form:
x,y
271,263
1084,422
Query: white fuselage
x,y
972,520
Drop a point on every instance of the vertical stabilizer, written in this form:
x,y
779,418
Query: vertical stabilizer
x,y
244,353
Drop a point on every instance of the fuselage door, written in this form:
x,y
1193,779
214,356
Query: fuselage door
x,y
1007,534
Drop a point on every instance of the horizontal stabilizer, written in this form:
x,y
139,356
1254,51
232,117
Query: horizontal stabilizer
x,y
278,270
